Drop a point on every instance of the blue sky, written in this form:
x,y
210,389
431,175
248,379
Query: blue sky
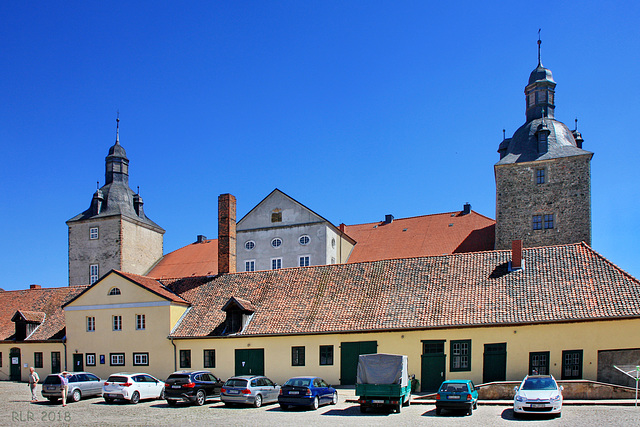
x,y
356,109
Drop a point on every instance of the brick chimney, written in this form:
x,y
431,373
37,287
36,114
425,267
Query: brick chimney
x,y
516,255
35,287
226,234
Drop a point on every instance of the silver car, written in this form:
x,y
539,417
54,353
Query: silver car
x,y
81,384
249,389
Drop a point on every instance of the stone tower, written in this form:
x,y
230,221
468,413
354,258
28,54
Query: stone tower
x,y
114,233
543,177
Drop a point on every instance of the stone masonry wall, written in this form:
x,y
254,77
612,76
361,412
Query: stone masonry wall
x,y
104,251
141,247
566,194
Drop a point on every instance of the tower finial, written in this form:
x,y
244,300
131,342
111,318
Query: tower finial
x,y
576,129
118,127
504,134
97,185
539,43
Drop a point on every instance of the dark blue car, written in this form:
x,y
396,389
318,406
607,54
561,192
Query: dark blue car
x,y
307,391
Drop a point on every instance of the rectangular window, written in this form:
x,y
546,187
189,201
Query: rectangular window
x,y
117,323
55,362
539,363
93,273
37,359
540,176
116,359
276,263
548,221
93,233
537,222
250,265
297,356
91,359
141,359
304,261
140,322
209,358
91,324
276,217
185,358
572,365
461,355
326,355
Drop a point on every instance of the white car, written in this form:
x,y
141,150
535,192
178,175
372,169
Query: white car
x,y
132,387
538,394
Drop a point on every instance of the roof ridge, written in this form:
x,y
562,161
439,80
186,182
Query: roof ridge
x,y
421,216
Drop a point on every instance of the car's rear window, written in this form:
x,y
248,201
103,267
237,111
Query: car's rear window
x,y
178,377
298,382
236,383
52,379
454,388
117,379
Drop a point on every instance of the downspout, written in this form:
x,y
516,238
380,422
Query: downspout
x,y
64,343
175,351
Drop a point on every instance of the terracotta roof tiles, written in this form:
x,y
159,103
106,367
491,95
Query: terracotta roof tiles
x,y
196,259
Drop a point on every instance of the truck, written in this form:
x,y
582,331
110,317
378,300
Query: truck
x,y
382,381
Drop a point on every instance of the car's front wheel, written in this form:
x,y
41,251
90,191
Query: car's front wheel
x,y
76,395
334,399
201,397
135,397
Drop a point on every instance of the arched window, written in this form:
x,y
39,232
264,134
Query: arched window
x,y
114,291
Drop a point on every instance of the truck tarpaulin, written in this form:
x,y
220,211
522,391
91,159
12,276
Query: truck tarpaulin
x,y
382,369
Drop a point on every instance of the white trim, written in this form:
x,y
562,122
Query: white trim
x,y
125,305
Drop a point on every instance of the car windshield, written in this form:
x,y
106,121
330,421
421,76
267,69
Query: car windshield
x,y
298,382
539,384
116,379
454,387
234,382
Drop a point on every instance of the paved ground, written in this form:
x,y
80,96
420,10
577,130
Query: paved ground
x,y
17,410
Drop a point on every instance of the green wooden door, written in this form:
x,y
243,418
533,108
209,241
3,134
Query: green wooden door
x,y
433,365
495,362
349,352
14,360
250,361
78,364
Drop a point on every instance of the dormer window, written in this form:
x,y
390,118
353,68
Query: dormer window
x,y
239,312
114,291
26,323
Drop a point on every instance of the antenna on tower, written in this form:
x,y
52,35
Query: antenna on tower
x,y
97,185
504,135
118,127
576,129
539,43
138,190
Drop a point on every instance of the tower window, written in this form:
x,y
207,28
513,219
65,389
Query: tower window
x,y
93,233
537,222
540,176
548,221
93,273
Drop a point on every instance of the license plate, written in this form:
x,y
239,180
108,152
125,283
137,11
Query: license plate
x,y
454,396
377,401
234,392
51,388
176,386
294,392
538,405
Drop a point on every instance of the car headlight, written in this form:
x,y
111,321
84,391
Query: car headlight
x,y
555,398
521,398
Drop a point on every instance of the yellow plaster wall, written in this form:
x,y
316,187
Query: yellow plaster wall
x,y
27,351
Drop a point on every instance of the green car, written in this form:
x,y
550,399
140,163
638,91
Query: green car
x,y
457,395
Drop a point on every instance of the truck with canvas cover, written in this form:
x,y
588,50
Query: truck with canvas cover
x,y
383,381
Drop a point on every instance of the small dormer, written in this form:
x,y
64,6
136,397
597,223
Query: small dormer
x,y
239,312
26,322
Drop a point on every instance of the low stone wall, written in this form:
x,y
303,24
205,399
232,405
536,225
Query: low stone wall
x,y
573,390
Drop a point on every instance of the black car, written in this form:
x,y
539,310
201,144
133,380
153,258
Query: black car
x,y
191,387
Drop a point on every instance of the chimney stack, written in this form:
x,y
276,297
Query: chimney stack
x,y
35,287
201,238
516,255
466,210
388,219
226,234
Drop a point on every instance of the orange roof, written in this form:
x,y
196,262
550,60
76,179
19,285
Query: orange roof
x,y
427,235
196,259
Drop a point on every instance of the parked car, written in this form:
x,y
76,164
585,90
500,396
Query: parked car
x,y
538,394
132,387
307,391
457,395
191,386
249,389
81,384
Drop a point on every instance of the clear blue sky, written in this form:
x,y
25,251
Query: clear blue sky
x,y
356,109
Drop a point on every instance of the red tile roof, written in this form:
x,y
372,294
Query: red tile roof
x,y
427,235
196,259
43,300
29,316
559,283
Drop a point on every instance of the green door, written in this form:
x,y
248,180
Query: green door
x,y
495,362
78,364
14,360
349,352
433,365
250,361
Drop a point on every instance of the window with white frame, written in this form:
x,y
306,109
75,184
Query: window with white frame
x,y
276,263
116,359
117,323
249,245
93,233
250,265
91,324
140,322
277,242
304,240
93,273
114,291
304,261
141,359
91,359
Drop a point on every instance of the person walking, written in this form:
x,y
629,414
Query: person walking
x,y
64,382
33,383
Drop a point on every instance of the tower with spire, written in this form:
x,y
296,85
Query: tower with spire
x,y
114,232
543,177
